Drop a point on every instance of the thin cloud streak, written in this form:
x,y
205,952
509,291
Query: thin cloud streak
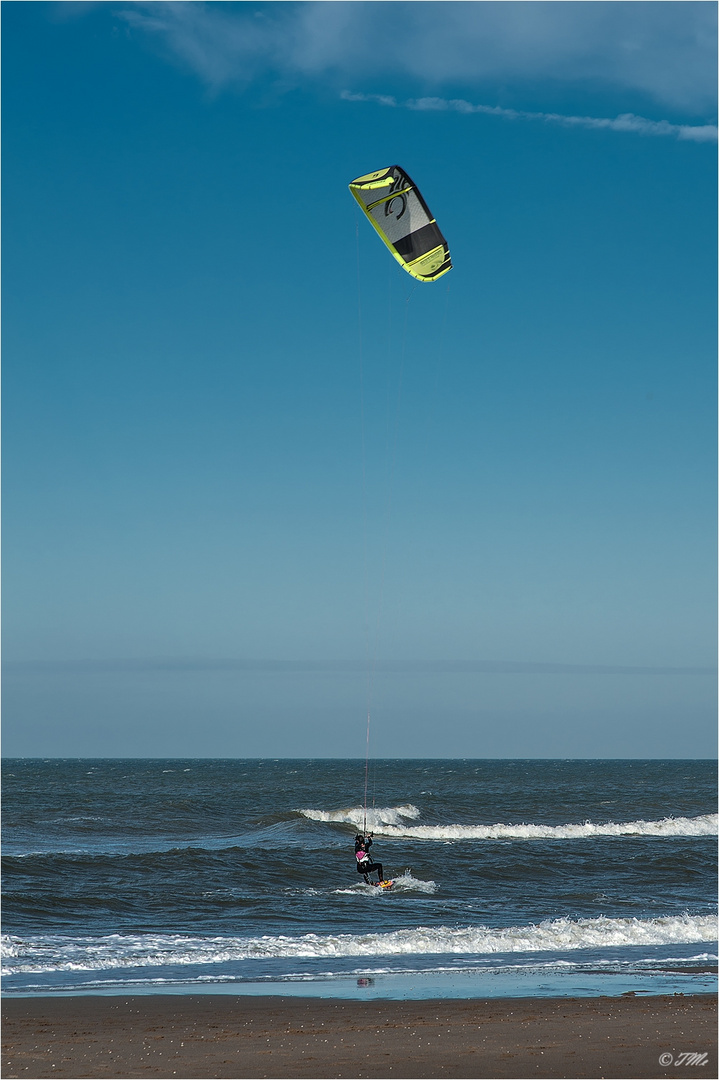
x,y
627,122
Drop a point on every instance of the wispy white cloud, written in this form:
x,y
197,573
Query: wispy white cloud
x,y
666,50
627,122
219,46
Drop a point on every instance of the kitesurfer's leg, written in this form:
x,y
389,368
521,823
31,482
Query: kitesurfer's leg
x,y
366,870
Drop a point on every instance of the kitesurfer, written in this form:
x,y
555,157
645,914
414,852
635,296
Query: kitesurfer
x,y
365,865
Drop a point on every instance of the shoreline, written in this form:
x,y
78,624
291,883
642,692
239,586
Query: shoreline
x,y
212,1035
457,983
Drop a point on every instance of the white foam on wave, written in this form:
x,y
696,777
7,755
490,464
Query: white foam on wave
x,y
377,817
52,953
392,822
407,883
403,883
705,825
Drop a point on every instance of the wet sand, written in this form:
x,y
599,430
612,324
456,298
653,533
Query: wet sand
x,y
242,1037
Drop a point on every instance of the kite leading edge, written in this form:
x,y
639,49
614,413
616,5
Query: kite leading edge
x,y
400,215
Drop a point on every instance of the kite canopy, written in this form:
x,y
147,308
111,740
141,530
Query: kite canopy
x,y
400,215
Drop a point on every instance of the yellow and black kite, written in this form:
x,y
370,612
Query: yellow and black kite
x,y
400,215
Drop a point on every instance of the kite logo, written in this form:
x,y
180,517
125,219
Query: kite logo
x,y
398,190
387,206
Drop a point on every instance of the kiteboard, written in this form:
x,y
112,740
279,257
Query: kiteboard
x,y
383,884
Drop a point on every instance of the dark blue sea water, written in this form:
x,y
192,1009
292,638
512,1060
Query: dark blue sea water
x,y
512,877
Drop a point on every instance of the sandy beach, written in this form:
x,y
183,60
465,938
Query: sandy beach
x,y
226,1036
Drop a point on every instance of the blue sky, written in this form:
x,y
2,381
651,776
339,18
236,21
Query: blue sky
x,y
256,480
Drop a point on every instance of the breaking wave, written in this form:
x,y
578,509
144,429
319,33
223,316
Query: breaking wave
x,y
377,818
387,822
52,953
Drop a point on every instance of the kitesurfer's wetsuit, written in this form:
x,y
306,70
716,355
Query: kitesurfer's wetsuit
x,y
365,865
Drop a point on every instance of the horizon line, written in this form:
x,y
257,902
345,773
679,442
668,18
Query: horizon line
x,y
257,757
417,667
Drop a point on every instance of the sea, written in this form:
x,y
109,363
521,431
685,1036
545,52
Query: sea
x,y
511,878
